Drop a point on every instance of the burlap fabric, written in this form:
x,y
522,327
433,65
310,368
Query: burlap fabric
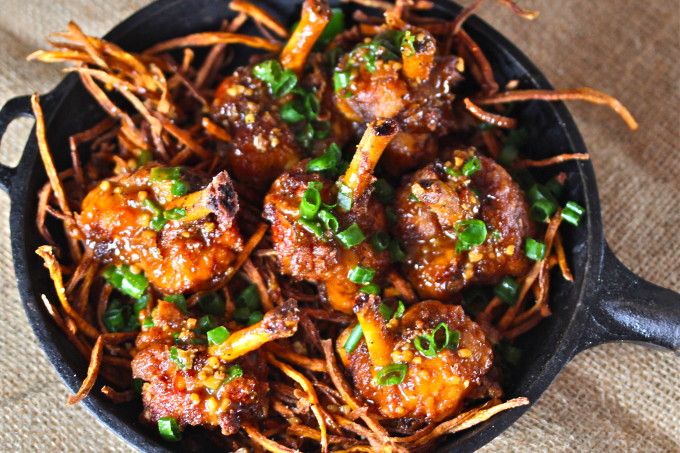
x,y
611,398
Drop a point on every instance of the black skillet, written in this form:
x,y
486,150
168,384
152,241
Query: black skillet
x,y
605,303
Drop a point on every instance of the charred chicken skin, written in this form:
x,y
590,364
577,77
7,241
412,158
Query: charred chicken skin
x,y
439,203
182,243
438,352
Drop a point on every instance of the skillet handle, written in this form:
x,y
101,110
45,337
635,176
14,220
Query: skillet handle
x,y
13,109
631,309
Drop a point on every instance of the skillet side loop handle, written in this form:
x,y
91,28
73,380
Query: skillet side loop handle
x,y
13,109
634,310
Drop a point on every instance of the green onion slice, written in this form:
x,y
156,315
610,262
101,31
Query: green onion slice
x,y
351,236
345,197
310,204
470,234
178,358
380,241
572,212
353,339
169,429
212,304
371,288
361,275
218,335
233,372
329,160
507,290
329,220
291,112
393,374
312,226
165,173
425,344
384,191
471,167
178,300
179,188
534,250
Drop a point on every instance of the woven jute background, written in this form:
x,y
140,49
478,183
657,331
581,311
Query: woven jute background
x,y
611,398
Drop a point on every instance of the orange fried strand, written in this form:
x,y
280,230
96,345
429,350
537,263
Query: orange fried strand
x,y
308,388
265,443
487,117
259,15
551,161
47,254
581,93
212,38
562,258
96,361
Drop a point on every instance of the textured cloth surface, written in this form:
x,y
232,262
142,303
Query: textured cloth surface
x,y
611,398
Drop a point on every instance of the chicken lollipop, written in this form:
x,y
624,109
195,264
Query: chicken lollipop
x,y
146,222
323,240
422,365
399,74
462,222
275,111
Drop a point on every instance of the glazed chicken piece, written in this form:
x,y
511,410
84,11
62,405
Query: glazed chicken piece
x,y
399,74
305,255
439,203
421,366
251,104
222,385
181,242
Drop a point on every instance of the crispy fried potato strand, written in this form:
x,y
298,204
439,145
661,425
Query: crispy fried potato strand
x,y
259,15
488,117
212,38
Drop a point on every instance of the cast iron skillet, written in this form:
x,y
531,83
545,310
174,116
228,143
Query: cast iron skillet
x,y
605,303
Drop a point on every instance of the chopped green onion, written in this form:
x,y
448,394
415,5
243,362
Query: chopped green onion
x,y
454,340
371,288
351,236
212,304
241,315
144,157
508,155
393,374
429,349
137,385
334,27
175,213
310,204
399,312
445,337
158,223
509,353
284,84
169,429
345,197
572,212
329,220
318,185
361,275
384,191
554,187
475,300
312,226
140,304
380,241
165,173
312,106
534,250
254,318
322,129
151,206
206,323
471,167
179,188
178,358
113,320
395,251
542,210
329,160
218,335
233,372
268,71
407,44
353,339
249,298
391,215
453,172
148,323
291,112
413,197
178,300
523,177
385,311
125,281
341,80
507,290
470,233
